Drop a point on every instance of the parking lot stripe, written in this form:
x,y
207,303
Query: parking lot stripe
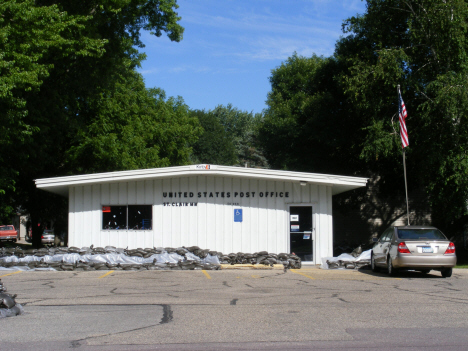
x,y
105,275
305,275
206,273
10,274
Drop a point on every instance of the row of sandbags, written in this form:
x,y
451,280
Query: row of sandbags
x,y
82,265
109,257
113,260
8,305
262,257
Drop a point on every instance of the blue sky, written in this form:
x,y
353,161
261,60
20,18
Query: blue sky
x,y
230,47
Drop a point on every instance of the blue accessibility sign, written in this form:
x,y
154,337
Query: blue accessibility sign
x,y
237,215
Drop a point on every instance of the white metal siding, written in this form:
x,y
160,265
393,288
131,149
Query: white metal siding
x,y
210,224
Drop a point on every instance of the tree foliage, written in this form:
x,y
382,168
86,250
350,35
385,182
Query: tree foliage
x,y
421,45
29,36
215,145
308,122
229,138
67,74
339,113
133,127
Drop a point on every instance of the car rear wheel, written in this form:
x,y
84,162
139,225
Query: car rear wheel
x,y
391,270
447,273
373,266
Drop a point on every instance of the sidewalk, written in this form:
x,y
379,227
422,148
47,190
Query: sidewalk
x,y
23,242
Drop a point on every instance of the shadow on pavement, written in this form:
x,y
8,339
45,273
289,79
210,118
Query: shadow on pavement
x,y
402,274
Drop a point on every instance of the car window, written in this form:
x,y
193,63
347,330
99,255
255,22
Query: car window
x,y
386,235
381,238
420,234
390,234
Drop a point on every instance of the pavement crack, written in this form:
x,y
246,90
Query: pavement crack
x,y
49,284
167,317
75,344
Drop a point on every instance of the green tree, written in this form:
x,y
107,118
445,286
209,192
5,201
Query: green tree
x,y
308,126
29,35
230,137
242,127
215,145
58,59
133,127
421,45
340,114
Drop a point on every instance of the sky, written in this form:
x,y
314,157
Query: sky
x,y
230,47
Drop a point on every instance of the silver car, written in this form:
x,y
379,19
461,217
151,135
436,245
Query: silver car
x,y
48,237
417,248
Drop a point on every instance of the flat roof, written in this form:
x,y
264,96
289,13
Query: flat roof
x,y
60,185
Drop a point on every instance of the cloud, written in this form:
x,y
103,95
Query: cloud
x,y
268,32
242,38
178,69
149,71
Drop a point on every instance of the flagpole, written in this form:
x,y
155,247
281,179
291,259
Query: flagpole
x,y
404,162
406,186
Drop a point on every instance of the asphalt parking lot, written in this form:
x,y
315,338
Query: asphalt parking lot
x,y
236,309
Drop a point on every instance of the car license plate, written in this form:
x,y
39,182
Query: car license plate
x,y
427,249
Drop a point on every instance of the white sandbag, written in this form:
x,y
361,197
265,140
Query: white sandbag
x,y
211,259
191,257
342,260
364,256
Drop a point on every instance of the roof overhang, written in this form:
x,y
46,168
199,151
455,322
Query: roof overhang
x,y
339,184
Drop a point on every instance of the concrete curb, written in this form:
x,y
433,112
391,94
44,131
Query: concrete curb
x,y
251,266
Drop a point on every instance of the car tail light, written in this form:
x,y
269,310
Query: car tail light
x,y
42,236
450,249
402,248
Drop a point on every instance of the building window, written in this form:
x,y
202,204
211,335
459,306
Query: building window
x,y
133,217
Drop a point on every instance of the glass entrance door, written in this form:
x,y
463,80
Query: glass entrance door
x,y
300,232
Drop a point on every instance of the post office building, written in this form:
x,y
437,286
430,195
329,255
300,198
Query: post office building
x,y
221,208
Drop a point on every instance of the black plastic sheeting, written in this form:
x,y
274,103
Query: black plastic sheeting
x,y
112,258
8,305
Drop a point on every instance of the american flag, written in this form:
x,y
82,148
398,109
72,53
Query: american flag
x,y
402,116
